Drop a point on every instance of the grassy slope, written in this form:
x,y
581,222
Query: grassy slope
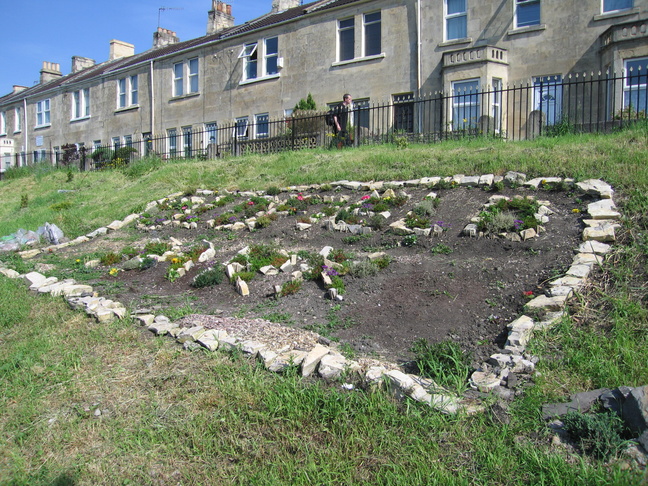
x,y
169,416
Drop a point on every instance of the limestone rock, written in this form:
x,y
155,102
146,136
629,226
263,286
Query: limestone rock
x,y
547,303
313,358
191,334
9,273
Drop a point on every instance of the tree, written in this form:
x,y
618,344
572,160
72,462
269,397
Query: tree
x,y
306,104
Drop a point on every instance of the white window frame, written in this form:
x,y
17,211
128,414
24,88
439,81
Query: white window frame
x,y
172,142
453,16
249,55
3,122
462,100
614,10
341,37
43,113
547,97
116,143
134,90
211,130
81,104
186,77
496,104
193,76
523,4
261,120
634,91
368,25
18,119
187,142
268,57
96,144
241,128
178,79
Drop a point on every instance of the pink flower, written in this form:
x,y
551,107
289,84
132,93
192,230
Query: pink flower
x,y
250,203
365,197
528,293
300,197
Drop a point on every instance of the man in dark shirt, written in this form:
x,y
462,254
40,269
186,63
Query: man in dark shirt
x,y
341,118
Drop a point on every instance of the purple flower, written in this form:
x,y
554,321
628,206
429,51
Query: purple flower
x,y
232,219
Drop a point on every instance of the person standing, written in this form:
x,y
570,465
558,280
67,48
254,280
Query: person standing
x,y
343,119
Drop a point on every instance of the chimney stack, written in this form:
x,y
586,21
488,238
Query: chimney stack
x,y
281,5
50,72
80,63
164,37
17,88
119,49
219,17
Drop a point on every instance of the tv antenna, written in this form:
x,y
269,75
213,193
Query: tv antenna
x,y
161,9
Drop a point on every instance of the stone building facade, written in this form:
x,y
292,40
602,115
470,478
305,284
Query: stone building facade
x,y
378,50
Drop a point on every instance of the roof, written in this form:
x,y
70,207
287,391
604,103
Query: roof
x,y
108,67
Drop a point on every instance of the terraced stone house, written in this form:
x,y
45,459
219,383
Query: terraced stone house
x,y
182,94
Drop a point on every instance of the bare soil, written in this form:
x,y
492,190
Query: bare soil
x,y
466,294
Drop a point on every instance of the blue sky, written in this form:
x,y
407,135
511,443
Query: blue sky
x,y
34,31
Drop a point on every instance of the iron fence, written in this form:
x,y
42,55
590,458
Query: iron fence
x,y
549,105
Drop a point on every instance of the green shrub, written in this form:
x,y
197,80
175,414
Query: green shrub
x,y
427,207
377,221
156,248
61,206
598,435
444,362
382,262
147,262
289,288
24,201
263,221
416,221
363,269
245,276
409,240
110,258
273,191
209,277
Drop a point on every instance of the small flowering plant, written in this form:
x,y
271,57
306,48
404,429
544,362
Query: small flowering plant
x,y
331,272
113,272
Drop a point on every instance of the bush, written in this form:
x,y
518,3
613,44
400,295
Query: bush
x,y
598,435
110,258
156,248
209,277
289,288
363,269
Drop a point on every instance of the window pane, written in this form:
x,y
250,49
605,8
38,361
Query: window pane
x,y
347,40
271,46
613,5
271,49
134,89
262,127
457,28
636,72
86,100
528,13
548,97
372,34
456,6
177,85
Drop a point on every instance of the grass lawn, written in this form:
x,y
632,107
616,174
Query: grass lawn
x,y
87,404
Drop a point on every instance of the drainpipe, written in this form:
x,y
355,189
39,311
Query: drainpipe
x,y
152,99
418,60
25,129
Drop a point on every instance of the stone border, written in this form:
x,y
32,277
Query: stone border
x,y
330,364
